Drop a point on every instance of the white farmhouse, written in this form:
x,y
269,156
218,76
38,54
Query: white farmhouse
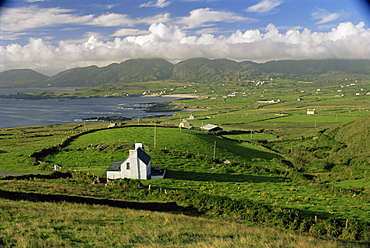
x,y
136,166
185,124
311,111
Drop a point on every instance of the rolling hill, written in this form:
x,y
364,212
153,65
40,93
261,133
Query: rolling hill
x,y
21,78
129,71
196,69
354,137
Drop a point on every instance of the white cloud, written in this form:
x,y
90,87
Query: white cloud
x,y
172,43
205,16
264,6
102,6
158,4
161,18
25,18
112,20
129,31
207,30
33,1
325,16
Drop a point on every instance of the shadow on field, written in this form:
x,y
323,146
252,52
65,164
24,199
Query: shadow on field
x,y
223,177
36,197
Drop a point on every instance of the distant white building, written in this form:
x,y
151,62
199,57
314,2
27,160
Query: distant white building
x,y
269,101
311,111
136,166
185,124
191,117
210,127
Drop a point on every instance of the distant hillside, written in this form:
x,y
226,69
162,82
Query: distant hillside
x,y
197,69
21,78
202,69
316,67
141,70
85,76
133,70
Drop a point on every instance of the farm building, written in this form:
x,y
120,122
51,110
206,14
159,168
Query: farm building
x,y
210,127
269,101
311,111
185,124
191,117
136,166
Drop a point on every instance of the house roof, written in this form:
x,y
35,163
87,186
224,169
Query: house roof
x,y
143,156
115,166
209,127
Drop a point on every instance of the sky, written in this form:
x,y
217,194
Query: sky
x,y
50,36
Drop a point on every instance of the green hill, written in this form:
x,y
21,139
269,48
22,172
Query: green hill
x,y
341,151
142,70
85,76
129,71
21,78
355,139
202,69
196,69
316,67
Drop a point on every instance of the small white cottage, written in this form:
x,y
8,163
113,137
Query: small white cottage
x,y
136,166
185,124
311,111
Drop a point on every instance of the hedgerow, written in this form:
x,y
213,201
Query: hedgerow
x,y
247,210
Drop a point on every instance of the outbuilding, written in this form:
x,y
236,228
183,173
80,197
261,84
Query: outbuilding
x,y
210,128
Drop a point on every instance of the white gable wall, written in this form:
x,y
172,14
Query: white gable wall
x,y
138,169
126,171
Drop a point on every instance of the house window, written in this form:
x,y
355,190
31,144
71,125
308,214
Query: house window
x,y
127,166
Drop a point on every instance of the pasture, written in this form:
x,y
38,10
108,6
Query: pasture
x,y
267,162
196,160
26,223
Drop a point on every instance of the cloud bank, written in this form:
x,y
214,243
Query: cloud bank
x,y
347,40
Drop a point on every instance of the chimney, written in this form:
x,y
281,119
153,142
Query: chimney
x,y
139,145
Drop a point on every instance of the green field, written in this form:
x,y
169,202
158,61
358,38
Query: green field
x,y
32,223
194,163
304,169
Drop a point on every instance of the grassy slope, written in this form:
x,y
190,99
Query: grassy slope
x,y
355,135
26,224
232,113
252,172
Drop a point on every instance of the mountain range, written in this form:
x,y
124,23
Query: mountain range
x,y
197,69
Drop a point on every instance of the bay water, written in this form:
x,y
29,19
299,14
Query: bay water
x,y
20,113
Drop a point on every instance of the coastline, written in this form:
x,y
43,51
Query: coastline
x,y
176,95
40,112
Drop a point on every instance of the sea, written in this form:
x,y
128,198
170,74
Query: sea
x,y
40,112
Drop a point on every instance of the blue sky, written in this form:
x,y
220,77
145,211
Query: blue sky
x,y
54,35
